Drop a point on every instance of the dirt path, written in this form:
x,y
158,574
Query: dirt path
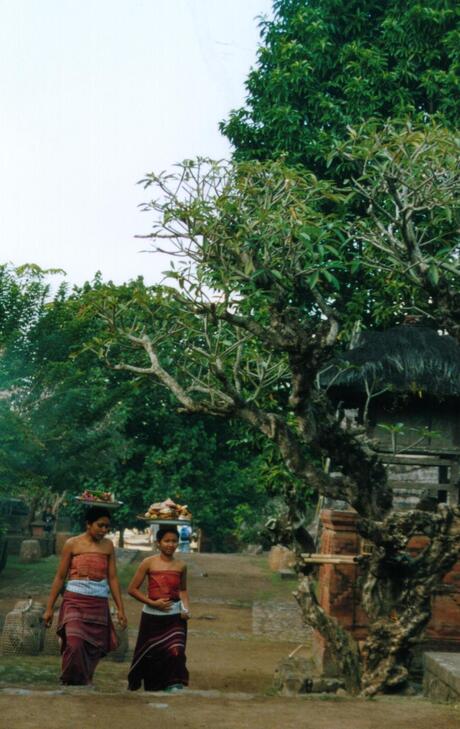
x,y
231,671
200,712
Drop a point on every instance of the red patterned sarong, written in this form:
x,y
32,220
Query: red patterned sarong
x,y
159,656
87,634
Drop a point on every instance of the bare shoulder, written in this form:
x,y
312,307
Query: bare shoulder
x,y
148,563
107,546
71,544
181,566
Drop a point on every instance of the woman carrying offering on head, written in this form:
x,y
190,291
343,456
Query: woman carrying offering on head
x,y
159,656
84,625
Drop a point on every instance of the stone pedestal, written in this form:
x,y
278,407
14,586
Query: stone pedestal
x,y
280,558
30,550
38,528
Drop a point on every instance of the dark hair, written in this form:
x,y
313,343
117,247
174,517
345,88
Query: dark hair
x,y
93,513
162,531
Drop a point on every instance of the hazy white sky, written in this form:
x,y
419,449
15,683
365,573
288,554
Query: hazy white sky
x,y
94,94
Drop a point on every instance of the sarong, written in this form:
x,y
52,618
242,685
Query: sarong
x,y
159,655
87,634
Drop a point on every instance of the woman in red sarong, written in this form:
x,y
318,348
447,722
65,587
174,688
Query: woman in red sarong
x,y
159,656
84,625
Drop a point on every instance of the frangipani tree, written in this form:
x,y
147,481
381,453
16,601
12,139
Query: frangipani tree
x,y
409,181
267,290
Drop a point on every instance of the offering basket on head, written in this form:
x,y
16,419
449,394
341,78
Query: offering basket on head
x,y
166,513
105,499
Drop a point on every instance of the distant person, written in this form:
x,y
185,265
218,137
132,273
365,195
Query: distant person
x,y
153,529
185,533
159,656
84,625
48,519
194,543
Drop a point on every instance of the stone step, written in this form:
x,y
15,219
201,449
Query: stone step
x,y
441,678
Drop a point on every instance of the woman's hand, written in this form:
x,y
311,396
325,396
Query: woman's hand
x,y
48,617
122,619
163,605
185,616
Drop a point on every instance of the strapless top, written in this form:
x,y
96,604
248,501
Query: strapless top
x,y
164,585
89,566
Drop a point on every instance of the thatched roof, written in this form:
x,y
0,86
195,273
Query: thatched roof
x,y
404,359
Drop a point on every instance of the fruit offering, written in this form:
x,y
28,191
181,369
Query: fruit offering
x,y
167,510
105,496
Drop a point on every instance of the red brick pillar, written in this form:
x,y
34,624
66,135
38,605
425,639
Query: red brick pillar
x,y
337,591
339,597
443,631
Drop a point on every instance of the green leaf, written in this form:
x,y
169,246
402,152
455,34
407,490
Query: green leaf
x,y
313,279
433,274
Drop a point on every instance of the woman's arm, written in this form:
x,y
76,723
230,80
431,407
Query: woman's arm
x,y
115,589
183,593
58,582
135,591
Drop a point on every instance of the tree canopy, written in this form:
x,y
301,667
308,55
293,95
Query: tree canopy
x,y
69,422
325,65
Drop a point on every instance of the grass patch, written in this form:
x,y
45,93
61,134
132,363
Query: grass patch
x,y
43,672
277,588
35,577
29,670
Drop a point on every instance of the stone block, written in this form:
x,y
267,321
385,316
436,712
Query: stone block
x,y
293,676
280,558
287,574
30,551
325,685
441,678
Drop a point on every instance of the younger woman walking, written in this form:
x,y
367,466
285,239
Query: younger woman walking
x,y
159,656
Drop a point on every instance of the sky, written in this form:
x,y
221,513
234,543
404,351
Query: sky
x,y
96,93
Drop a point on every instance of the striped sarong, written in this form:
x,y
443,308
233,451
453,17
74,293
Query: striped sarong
x,y
159,656
87,634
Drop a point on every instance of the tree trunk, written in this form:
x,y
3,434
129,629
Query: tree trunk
x,y
121,537
339,640
32,508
